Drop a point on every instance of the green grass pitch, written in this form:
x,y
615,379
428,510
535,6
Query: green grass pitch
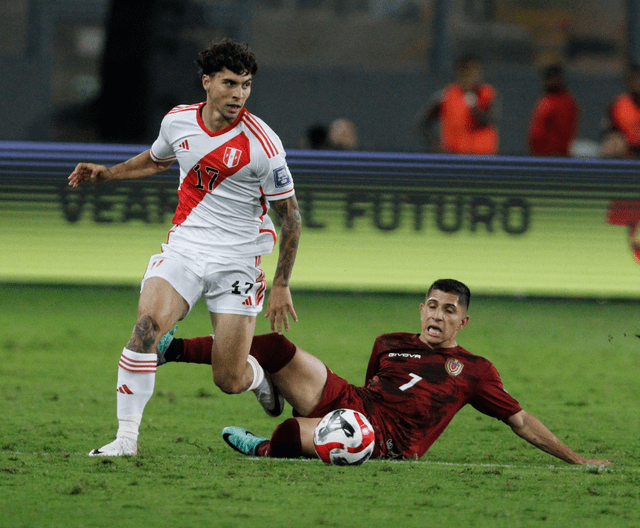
x,y
573,364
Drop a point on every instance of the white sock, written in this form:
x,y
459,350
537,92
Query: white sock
x,y
136,379
258,373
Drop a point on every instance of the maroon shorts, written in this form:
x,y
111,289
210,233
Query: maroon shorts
x,y
340,394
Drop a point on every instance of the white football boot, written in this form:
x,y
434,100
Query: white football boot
x,y
119,447
269,397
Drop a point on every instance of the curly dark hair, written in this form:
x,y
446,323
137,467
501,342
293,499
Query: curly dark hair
x,y
227,54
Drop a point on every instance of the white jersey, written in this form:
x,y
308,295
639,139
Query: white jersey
x,y
227,179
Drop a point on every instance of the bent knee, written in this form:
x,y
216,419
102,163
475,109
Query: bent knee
x,y
230,383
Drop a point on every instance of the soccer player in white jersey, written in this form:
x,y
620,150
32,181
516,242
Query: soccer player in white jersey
x,y
232,168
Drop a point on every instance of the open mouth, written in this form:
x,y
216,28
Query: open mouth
x,y
434,331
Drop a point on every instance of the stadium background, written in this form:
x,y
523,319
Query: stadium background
x,y
374,62
388,219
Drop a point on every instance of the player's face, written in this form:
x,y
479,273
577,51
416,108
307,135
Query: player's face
x,y
470,76
227,93
442,317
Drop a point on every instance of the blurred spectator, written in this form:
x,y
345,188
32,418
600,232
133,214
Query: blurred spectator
x,y
464,111
341,134
316,137
554,120
614,145
621,138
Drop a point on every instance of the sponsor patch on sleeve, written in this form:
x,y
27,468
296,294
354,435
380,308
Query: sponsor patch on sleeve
x,y
281,176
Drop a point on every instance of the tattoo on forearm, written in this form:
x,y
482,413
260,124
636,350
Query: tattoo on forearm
x,y
290,229
144,335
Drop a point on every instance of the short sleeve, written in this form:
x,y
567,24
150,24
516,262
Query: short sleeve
x,y
491,398
162,150
275,177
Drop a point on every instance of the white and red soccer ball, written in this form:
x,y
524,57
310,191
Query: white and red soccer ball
x,y
344,438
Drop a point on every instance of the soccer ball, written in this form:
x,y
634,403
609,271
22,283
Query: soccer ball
x,y
344,438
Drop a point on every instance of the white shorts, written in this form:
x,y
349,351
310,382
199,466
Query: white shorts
x,y
230,285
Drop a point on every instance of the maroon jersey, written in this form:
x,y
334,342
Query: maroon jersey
x,y
412,392
553,125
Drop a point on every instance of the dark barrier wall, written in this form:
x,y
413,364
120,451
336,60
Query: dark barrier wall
x,y
383,105
504,225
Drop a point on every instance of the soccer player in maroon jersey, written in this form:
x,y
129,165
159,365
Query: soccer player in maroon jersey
x,y
415,384
554,120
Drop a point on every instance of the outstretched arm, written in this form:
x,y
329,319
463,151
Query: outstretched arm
x,y
527,426
280,303
140,166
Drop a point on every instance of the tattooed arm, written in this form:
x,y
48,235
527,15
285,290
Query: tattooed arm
x,y
280,303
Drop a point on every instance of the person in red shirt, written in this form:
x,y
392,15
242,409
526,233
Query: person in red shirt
x,y
554,121
622,123
414,386
464,111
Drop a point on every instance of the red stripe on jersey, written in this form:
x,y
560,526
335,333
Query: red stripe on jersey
x,y
206,175
260,139
273,234
260,134
257,124
218,132
263,203
171,231
179,109
262,283
278,194
161,160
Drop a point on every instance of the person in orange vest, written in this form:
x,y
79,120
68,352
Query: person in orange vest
x,y
554,120
622,122
465,113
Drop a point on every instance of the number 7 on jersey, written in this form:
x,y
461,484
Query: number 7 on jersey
x,y
414,379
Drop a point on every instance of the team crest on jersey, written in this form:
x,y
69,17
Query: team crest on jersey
x,y
454,366
231,157
281,176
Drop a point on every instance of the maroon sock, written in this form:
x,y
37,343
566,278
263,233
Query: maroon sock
x,y
197,350
264,449
285,441
273,351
